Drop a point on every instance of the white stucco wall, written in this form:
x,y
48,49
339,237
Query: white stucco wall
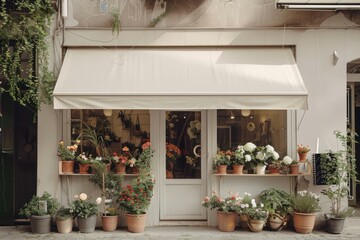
x,y
326,84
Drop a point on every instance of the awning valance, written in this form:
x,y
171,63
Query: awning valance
x,y
229,78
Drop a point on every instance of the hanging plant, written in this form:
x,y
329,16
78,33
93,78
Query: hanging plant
x,y
24,27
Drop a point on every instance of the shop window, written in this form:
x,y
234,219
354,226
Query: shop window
x,y
261,127
114,128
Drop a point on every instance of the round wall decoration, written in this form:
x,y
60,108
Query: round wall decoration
x,y
250,126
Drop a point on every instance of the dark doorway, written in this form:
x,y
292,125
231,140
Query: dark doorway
x,y
18,159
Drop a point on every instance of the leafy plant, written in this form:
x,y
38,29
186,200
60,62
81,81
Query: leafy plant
x,y
116,24
222,158
229,204
64,213
306,202
33,207
276,201
68,152
83,207
337,168
24,27
135,198
145,156
109,185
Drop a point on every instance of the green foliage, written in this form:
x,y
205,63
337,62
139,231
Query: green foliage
x,y
157,20
145,156
116,24
25,27
257,213
32,207
276,201
306,202
229,204
64,213
109,184
83,207
337,168
135,198
222,158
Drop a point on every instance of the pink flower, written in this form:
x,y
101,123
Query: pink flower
x,y
206,199
145,145
125,149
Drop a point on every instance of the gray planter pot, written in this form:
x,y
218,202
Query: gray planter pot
x,y
40,224
87,225
335,225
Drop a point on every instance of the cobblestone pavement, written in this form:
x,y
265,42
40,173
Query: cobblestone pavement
x,y
180,232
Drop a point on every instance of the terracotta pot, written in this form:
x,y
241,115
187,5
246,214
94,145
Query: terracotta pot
x,y
276,222
304,222
40,224
64,226
221,169
109,223
243,220
238,169
273,170
294,169
83,168
87,225
67,166
120,168
226,221
136,223
256,225
302,157
260,170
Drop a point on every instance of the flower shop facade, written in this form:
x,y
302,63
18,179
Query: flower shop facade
x,y
193,92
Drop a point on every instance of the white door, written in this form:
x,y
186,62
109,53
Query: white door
x,y
183,165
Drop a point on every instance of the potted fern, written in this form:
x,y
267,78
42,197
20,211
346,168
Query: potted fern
x,y
336,168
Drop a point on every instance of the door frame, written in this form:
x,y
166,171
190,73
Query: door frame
x,y
162,169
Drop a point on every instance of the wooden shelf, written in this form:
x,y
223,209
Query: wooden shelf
x,y
262,175
77,174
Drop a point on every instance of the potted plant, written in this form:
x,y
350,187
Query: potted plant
x,y
294,167
135,200
67,156
279,206
64,219
226,210
39,210
84,163
302,151
336,168
286,164
238,160
221,161
122,160
257,216
85,212
242,211
305,205
249,155
109,184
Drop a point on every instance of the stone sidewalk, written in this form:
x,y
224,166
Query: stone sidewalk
x,y
178,232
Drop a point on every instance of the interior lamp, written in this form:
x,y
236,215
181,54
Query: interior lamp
x,y
107,112
245,112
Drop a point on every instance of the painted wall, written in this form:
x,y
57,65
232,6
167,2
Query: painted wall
x,y
325,82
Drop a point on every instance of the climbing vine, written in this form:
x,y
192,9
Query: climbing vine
x,y
24,27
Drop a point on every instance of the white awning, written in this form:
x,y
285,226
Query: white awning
x,y
228,78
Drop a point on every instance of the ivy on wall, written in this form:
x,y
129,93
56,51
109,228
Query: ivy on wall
x,y
24,27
